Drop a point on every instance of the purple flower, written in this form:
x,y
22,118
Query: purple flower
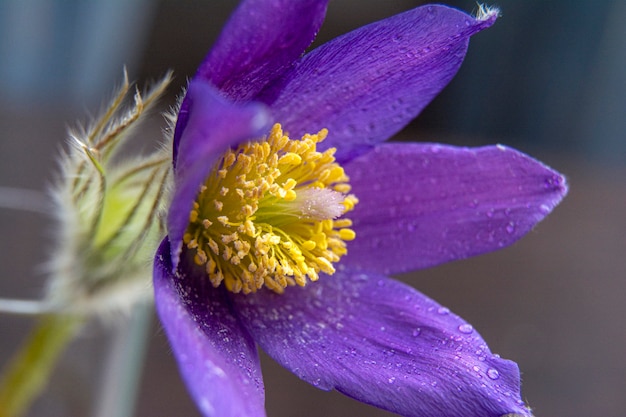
x,y
248,220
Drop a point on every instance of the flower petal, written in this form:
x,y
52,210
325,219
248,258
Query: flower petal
x,y
368,84
217,358
428,204
260,40
213,125
383,343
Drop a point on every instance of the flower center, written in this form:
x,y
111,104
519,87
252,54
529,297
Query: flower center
x,y
269,214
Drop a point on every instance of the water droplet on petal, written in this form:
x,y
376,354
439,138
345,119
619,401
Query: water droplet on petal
x,y
392,380
443,311
510,228
552,182
493,374
417,332
466,328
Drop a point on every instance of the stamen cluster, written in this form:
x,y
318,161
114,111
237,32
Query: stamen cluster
x,y
268,214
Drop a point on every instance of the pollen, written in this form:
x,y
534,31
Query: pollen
x,y
271,214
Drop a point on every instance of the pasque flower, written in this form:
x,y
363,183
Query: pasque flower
x,y
281,178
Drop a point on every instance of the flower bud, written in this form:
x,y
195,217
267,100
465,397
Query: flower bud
x,y
107,202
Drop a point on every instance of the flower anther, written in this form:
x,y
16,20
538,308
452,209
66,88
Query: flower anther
x,y
270,213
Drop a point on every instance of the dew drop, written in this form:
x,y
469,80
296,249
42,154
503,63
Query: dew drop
x,y
443,311
417,332
466,328
545,209
510,228
362,277
493,374
392,380
552,183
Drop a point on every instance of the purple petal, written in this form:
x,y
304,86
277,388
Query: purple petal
x,y
213,125
217,358
368,84
383,343
259,41
427,204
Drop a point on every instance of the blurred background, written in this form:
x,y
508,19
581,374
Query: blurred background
x,y
549,79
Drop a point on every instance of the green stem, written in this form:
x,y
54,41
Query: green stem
x,y
27,373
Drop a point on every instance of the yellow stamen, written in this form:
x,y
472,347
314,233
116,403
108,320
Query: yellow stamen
x,y
268,214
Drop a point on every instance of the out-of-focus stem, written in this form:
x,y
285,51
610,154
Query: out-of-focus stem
x,y
118,393
27,373
24,200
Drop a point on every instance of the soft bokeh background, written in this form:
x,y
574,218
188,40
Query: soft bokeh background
x,y
549,78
